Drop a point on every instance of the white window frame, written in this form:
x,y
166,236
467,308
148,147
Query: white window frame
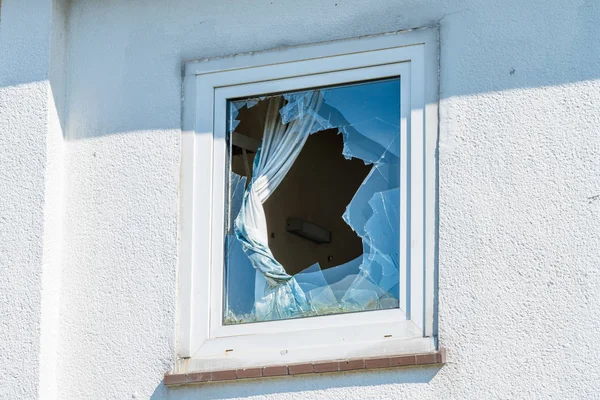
x,y
204,343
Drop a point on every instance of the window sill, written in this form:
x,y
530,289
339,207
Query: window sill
x,y
437,357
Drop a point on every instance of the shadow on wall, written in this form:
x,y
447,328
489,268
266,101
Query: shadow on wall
x,y
130,81
296,384
133,95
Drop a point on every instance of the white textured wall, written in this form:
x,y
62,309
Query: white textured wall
x,y
519,226
32,50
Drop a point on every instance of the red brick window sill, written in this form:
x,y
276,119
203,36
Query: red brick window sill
x,y
438,357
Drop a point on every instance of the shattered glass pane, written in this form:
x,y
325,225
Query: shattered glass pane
x,y
239,270
347,190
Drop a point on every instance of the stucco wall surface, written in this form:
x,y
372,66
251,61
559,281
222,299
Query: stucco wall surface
x,y
32,49
519,305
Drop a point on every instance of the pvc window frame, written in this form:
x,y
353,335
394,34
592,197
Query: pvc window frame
x,y
203,342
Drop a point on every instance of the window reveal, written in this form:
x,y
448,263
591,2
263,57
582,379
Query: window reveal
x,y
329,157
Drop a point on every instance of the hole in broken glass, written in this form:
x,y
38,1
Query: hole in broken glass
x,y
313,203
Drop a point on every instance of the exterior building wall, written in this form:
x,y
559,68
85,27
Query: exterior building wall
x,y
519,192
32,73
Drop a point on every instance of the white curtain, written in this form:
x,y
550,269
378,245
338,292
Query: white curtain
x,y
278,295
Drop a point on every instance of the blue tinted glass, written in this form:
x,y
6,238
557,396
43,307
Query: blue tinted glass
x,y
313,211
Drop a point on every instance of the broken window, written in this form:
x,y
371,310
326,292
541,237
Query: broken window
x,y
312,218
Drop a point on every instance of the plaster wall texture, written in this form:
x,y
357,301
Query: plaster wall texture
x,y
54,207
519,308
31,136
